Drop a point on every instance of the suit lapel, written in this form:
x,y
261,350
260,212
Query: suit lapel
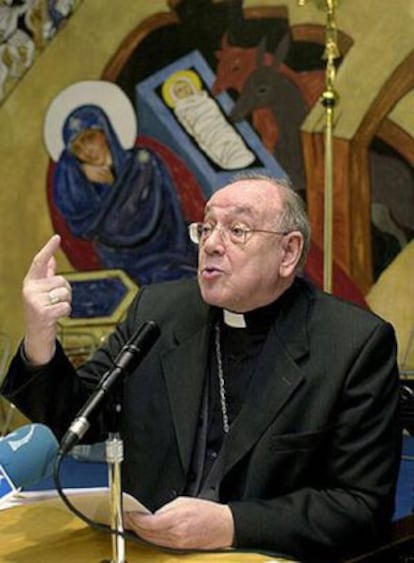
x,y
275,379
184,370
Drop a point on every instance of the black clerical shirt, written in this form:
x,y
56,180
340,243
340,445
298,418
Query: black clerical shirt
x,y
240,349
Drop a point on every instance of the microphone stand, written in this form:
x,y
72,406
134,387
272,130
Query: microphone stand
x,y
114,449
114,452
127,360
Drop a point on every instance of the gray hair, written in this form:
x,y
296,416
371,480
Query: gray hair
x,y
293,216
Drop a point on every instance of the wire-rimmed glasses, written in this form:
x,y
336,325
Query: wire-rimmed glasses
x,y
199,233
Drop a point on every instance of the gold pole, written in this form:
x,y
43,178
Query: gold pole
x,y
328,100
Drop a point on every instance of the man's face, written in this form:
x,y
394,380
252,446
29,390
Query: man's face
x,y
243,277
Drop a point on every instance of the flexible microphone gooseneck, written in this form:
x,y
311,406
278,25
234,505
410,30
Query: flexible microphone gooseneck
x,y
127,360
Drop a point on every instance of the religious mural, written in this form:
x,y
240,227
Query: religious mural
x,y
221,92
112,192
26,28
191,95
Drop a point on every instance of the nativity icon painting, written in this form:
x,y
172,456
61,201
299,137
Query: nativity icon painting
x,y
113,196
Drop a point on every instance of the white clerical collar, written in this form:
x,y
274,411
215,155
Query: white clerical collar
x,y
235,320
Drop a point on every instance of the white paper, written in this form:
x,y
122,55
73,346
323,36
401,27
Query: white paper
x,y
93,503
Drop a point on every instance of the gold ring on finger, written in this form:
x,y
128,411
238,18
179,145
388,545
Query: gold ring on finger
x,y
53,298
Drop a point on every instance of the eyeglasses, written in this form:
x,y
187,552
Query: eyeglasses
x,y
199,233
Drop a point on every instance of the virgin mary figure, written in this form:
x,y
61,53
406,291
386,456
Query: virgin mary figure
x,y
124,200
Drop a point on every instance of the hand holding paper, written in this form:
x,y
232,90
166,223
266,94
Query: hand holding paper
x,y
184,523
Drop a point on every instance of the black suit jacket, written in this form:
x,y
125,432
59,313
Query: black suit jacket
x,y
311,462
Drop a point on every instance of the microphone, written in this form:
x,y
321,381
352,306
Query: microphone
x,y
127,360
26,457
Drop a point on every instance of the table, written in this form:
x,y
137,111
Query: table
x,y
37,533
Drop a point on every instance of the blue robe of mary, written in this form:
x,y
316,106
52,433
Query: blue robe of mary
x,y
136,222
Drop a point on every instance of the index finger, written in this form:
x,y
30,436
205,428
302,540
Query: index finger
x,y
39,266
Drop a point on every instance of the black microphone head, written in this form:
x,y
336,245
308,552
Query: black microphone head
x,y
145,336
137,346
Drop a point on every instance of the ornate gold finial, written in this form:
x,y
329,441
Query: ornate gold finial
x,y
331,52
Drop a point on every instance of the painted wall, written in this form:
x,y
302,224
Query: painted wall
x,y
382,38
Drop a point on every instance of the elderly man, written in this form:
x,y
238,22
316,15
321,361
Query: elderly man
x,y
265,416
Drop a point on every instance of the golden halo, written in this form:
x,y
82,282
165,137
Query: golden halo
x,y
188,76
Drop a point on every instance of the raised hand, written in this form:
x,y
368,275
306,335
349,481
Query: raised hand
x,y
46,298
